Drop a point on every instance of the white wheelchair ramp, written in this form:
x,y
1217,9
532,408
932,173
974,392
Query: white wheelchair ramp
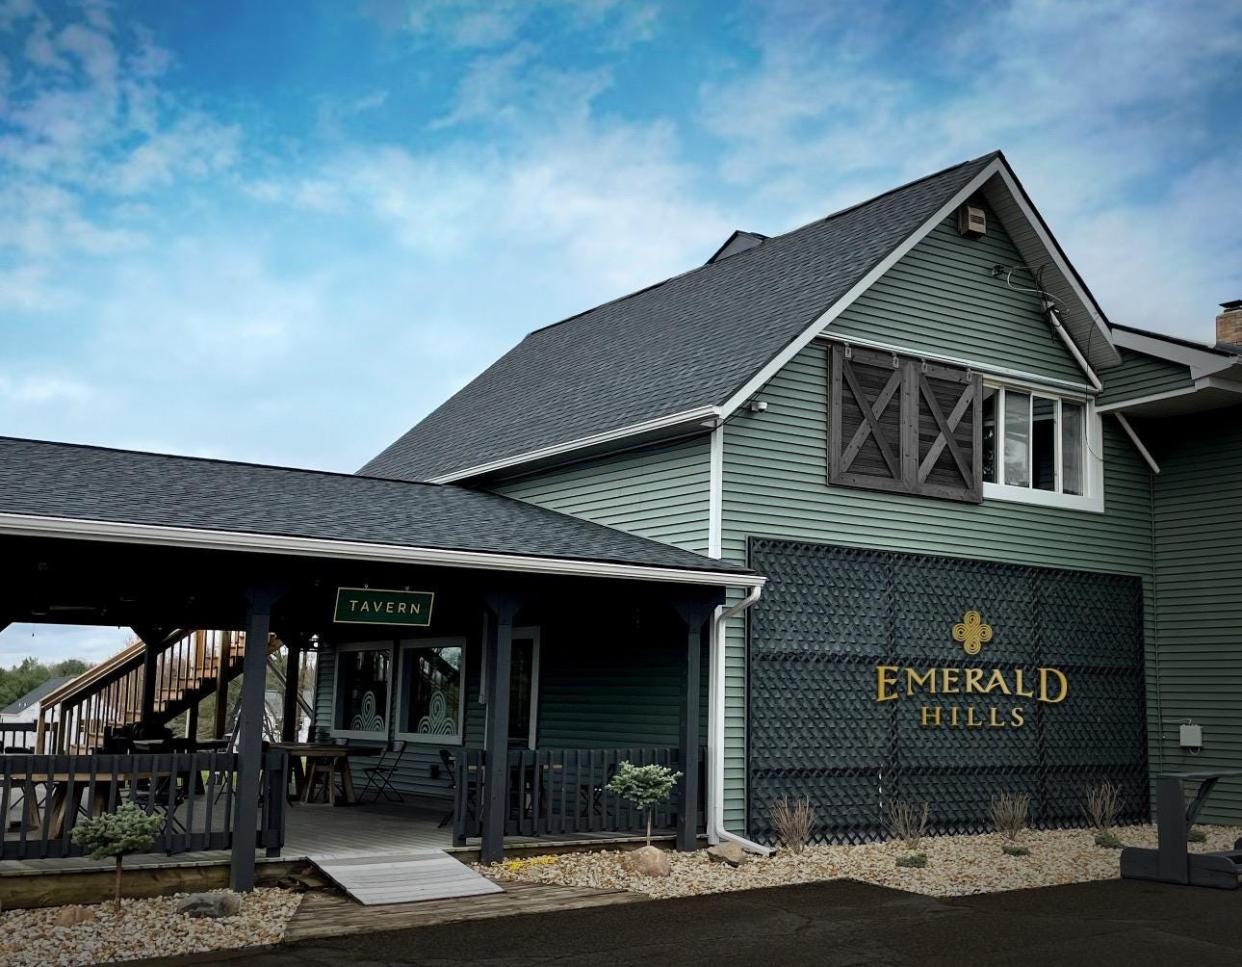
x,y
404,877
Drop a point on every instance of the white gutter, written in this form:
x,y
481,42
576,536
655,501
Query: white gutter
x,y
716,831
1070,345
28,525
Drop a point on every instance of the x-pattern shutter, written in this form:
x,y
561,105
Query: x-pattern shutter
x,y
904,425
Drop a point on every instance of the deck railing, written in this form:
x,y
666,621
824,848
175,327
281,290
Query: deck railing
x,y
19,736
42,797
562,792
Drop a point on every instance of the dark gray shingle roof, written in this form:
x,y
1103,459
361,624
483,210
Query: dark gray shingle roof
x,y
34,695
689,342
94,483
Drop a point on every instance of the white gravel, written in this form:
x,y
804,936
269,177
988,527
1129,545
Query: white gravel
x,y
956,865
140,928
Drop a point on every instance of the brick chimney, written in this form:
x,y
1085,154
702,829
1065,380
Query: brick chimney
x,y
1229,323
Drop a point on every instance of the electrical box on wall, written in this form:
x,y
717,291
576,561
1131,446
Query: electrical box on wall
x,y
1191,736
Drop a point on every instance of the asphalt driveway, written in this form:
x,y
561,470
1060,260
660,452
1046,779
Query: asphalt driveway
x,y
836,923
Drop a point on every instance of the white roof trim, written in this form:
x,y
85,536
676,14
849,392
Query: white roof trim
x,y
29,525
777,363
1201,361
686,417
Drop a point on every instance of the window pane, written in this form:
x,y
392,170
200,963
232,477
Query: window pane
x,y
1017,438
434,704
521,679
363,689
1071,448
1044,443
990,396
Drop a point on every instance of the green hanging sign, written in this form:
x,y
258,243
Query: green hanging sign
x,y
377,606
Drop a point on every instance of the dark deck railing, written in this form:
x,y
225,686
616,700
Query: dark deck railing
x,y
562,792
42,797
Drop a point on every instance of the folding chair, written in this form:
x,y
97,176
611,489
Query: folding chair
x,y
379,776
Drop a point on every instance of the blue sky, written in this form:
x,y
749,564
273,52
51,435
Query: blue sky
x,y
284,231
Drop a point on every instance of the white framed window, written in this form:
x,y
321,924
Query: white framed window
x,y
431,704
1041,448
363,691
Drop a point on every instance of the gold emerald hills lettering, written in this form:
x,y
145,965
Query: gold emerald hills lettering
x,y
1045,685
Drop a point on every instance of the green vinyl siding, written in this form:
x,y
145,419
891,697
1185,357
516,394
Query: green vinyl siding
x,y
1198,529
775,485
1140,376
660,493
940,298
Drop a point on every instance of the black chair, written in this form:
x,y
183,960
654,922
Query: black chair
x,y
379,776
450,767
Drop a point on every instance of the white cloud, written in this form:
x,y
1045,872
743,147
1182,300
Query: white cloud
x,y
52,643
43,389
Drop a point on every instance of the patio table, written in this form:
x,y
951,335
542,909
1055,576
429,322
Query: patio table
x,y
318,752
60,784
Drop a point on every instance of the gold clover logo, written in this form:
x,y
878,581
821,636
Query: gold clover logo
x,y
972,632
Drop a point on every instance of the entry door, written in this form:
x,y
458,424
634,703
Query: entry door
x,y
524,689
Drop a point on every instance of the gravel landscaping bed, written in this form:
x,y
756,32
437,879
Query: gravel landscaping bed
x,y
956,865
140,928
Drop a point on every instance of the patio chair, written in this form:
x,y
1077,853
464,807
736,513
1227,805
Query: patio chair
x,y
450,767
165,795
379,776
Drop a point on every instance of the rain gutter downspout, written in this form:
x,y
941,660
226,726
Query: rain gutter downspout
x,y
716,831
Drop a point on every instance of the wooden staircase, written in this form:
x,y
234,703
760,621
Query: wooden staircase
x,y
186,667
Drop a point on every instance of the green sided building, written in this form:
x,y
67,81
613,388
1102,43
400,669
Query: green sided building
x,y
1002,534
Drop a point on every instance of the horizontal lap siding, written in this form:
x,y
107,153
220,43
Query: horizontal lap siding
x,y
1140,376
661,493
941,299
775,485
1198,527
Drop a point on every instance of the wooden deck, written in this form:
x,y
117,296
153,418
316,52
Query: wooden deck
x,y
328,914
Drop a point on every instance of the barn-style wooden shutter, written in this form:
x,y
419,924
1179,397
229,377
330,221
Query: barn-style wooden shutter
x,y
904,425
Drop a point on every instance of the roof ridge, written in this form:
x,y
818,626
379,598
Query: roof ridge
x,y
223,461
768,240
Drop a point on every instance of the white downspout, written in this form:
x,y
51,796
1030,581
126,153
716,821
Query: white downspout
x,y
716,831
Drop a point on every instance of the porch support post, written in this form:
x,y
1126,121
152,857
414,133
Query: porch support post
x,y
250,739
150,639
504,607
293,665
695,610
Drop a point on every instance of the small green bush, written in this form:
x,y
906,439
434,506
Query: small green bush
x,y
117,835
644,786
915,861
1009,850
1108,840
1195,835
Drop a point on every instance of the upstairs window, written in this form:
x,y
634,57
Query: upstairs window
x,y
1038,448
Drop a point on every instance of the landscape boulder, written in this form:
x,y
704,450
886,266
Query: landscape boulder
x,y
648,861
212,905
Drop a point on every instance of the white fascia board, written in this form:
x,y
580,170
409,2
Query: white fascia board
x,y
1054,253
1141,400
777,363
25,525
1205,359
685,417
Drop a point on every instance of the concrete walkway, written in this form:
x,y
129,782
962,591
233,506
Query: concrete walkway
x,y
839,923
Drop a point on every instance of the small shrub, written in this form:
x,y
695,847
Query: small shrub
x,y
1101,804
1108,840
117,835
906,822
644,786
1011,850
913,861
793,823
1009,812
1195,835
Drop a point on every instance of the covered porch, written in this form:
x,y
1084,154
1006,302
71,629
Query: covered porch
x,y
543,652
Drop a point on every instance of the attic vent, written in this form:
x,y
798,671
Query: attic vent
x,y
972,221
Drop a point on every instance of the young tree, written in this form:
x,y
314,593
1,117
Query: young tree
x,y
644,786
119,834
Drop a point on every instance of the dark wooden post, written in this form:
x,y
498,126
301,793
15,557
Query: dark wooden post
x,y
293,665
504,607
249,741
151,639
695,610
191,722
222,688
